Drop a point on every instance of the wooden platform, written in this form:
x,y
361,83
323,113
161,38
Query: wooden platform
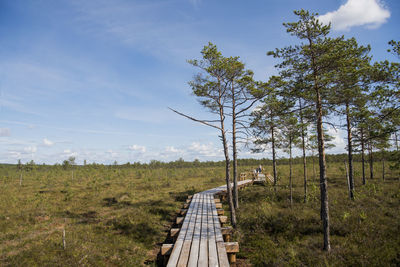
x,y
222,188
200,241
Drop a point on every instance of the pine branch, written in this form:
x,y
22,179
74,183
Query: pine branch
x,y
205,122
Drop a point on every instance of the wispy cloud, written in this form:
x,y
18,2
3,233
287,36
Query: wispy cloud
x,y
137,148
5,132
371,13
144,26
207,150
30,149
69,129
47,142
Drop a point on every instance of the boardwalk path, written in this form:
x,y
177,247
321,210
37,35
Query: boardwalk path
x,y
200,241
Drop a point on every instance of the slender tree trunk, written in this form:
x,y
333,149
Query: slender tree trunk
x,y
274,157
235,174
383,165
363,156
322,176
303,146
227,167
290,171
396,140
350,151
321,151
347,178
371,161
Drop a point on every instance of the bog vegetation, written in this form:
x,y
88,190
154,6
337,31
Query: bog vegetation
x,y
119,215
115,215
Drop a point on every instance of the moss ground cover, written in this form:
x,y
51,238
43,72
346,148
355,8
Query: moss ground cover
x,y
116,216
364,232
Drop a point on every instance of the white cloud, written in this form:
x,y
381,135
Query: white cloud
x,y
68,153
208,150
47,142
137,148
171,149
5,132
30,149
112,153
338,140
371,13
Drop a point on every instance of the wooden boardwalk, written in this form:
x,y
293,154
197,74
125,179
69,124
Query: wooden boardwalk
x,y
200,240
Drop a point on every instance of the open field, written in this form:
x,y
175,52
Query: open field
x,y
364,232
116,216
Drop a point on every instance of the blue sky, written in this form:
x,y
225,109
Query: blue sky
x,y
93,79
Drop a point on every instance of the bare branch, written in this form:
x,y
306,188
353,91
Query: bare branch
x,y
196,120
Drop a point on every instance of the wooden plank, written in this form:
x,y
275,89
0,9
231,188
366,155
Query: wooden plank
x,y
194,250
222,255
174,232
217,224
173,260
203,252
183,211
184,257
179,220
212,244
222,188
226,230
166,249
223,219
232,247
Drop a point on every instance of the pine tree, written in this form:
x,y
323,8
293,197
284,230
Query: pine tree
x,y
212,90
350,77
317,57
291,131
266,122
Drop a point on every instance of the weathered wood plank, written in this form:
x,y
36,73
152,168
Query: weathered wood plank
x,y
184,256
179,220
166,249
194,250
173,260
212,245
174,232
223,219
232,247
203,252
222,255
200,240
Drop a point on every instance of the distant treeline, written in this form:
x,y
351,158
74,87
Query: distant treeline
x,y
180,163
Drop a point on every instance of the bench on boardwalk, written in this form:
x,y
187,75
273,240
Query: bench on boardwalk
x,y
200,241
